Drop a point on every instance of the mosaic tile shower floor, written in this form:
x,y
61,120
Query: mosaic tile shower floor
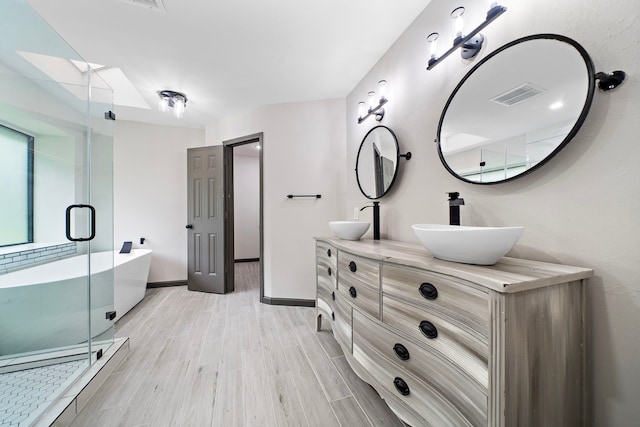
x,y
24,395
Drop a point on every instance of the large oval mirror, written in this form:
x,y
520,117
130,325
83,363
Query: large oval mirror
x,y
377,162
516,109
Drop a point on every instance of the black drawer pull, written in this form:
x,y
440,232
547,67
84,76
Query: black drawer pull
x,y
352,292
329,271
333,316
333,296
401,386
353,267
401,351
428,329
428,291
329,253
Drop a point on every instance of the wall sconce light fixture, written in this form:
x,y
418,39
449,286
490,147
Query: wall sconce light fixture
x,y
375,103
469,44
174,100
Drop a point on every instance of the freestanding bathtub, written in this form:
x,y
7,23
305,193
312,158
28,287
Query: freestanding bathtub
x,y
45,306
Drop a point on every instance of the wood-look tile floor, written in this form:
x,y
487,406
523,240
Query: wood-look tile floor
x,y
201,359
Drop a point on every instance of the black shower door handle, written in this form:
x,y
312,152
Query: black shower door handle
x,y
92,218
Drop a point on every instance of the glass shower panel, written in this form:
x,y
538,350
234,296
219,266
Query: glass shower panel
x,y
54,292
101,198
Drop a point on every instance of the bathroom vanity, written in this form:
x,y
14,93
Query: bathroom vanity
x,y
449,344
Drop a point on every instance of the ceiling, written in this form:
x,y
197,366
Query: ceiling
x,y
235,55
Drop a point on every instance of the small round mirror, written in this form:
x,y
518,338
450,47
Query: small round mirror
x,y
377,162
516,109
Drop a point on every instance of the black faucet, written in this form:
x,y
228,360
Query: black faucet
x,y
376,219
454,208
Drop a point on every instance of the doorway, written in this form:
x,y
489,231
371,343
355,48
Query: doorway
x,y
243,186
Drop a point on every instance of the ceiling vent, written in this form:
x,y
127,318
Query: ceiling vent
x,y
517,95
149,4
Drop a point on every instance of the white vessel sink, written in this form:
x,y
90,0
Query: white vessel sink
x,y
349,230
469,245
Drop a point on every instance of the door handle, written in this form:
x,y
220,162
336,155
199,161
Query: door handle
x,y
189,226
92,218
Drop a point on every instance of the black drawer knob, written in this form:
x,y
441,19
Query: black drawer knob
x,y
401,386
329,252
333,296
428,291
428,329
352,292
333,316
353,267
401,351
329,272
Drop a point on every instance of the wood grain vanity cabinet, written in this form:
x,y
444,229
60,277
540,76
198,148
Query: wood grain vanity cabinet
x,y
448,344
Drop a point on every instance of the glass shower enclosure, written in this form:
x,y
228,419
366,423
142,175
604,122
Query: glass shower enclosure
x,y
56,215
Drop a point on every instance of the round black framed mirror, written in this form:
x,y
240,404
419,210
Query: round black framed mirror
x,y
516,109
377,162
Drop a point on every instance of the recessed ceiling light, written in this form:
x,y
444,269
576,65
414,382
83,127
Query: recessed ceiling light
x,y
556,105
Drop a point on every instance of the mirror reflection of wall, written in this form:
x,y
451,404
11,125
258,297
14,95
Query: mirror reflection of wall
x,y
516,109
377,162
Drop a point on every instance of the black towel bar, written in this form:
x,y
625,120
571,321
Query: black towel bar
x,y
317,196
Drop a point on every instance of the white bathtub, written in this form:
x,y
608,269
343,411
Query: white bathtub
x,y
45,306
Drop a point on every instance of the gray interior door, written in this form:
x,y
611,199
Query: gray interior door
x,y
206,222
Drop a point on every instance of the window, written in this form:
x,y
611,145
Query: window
x,y
16,187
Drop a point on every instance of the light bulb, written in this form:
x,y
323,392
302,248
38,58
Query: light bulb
x,y
163,105
382,90
458,23
178,107
432,39
362,109
373,103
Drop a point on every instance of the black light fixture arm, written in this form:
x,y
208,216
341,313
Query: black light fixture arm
x,y
377,111
492,14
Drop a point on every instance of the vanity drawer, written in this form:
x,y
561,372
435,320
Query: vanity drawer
x,y
326,274
456,386
342,325
462,301
327,254
327,295
463,348
425,402
355,267
326,268
361,295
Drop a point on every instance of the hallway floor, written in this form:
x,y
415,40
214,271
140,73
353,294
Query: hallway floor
x,y
200,359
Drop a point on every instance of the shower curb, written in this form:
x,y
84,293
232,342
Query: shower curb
x,y
65,409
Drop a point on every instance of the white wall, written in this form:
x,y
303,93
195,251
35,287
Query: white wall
x,y
303,153
150,193
246,194
582,208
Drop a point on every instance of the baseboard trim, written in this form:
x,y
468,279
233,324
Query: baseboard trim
x,y
289,301
246,260
166,284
